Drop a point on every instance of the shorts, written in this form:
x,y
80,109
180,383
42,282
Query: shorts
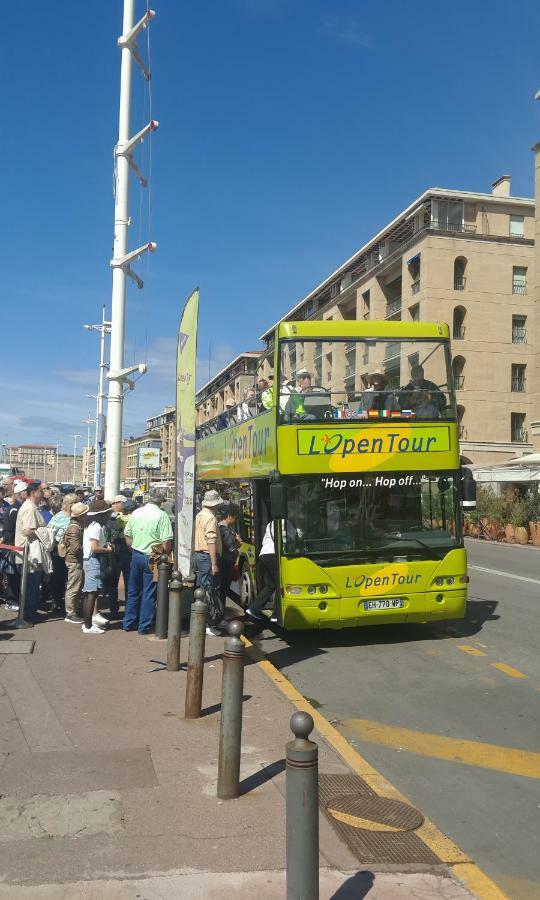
x,y
92,575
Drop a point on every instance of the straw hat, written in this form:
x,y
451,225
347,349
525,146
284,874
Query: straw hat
x,y
79,509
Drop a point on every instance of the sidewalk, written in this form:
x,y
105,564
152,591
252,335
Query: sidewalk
x,y
105,791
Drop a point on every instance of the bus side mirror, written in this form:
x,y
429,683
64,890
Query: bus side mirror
x,y
278,501
468,490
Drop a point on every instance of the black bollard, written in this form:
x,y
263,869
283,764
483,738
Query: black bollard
x,y
174,627
162,603
230,736
195,666
20,621
302,786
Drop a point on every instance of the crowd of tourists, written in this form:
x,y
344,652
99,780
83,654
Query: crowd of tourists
x,y
77,547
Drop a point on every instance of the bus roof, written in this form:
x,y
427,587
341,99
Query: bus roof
x,y
351,328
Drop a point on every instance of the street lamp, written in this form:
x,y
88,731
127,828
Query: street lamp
x,y
75,439
89,421
57,449
104,329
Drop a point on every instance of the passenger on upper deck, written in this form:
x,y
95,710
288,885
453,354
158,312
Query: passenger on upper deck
x,y
376,398
265,392
248,406
422,396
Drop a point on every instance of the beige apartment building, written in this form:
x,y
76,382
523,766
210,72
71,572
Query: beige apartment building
x,y
462,258
229,384
164,424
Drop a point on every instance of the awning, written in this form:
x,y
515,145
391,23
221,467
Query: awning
x,y
498,474
414,259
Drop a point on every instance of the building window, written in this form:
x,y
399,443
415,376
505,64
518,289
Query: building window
x,y
461,427
517,427
519,280
519,330
460,264
518,378
517,226
447,215
458,329
366,304
458,366
415,312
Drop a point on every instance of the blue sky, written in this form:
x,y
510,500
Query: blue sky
x,y
290,132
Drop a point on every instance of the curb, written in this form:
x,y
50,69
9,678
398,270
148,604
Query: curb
x,y
448,852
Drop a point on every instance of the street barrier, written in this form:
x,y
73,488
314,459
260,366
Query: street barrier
x,y
195,665
162,602
20,621
230,735
302,815
174,626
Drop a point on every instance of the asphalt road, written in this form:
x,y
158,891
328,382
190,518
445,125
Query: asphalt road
x,y
449,713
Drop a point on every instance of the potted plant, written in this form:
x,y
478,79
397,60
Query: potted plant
x,y
519,518
533,502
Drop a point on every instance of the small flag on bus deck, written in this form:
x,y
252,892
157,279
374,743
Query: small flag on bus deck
x,y
373,414
407,413
396,414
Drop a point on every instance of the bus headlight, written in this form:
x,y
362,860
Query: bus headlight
x,y
439,581
312,589
293,589
323,588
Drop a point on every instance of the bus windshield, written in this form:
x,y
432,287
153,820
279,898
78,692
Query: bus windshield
x,y
365,379
364,517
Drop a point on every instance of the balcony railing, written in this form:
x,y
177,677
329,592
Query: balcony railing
x,y
440,225
519,435
519,337
415,286
459,282
393,308
519,288
518,384
459,382
392,350
459,332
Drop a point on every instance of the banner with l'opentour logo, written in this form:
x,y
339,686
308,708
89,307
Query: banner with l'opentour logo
x,y
186,360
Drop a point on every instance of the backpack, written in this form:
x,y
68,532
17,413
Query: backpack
x,y
62,546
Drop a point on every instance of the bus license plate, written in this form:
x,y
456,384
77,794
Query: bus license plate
x,y
389,603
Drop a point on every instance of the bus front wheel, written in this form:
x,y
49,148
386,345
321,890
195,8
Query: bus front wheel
x,y
247,590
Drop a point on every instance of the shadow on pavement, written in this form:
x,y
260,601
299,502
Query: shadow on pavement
x,y
259,778
210,710
356,887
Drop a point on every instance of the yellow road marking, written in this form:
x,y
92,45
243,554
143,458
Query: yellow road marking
x,y
473,651
447,851
358,822
470,753
509,670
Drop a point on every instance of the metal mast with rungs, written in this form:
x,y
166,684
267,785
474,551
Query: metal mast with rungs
x,y
122,259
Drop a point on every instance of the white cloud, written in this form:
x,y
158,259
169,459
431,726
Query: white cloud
x,y
346,31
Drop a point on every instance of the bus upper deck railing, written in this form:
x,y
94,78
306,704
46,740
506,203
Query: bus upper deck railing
x,y
320,405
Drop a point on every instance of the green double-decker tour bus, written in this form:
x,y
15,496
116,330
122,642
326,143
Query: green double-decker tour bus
x,y
356,461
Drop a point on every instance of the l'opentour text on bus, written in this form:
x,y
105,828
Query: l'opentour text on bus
x,y
364,485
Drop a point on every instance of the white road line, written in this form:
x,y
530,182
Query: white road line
x,y
504,574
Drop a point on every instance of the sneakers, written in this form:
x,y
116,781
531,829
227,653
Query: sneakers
x,y
75,619
98,619
95,629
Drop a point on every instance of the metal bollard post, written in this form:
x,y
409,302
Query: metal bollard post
x,y
302,786
162,603
195,666
174,628
20,621
230,735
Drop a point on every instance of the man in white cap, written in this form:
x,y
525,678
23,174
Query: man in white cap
x,y
206,555
147,527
